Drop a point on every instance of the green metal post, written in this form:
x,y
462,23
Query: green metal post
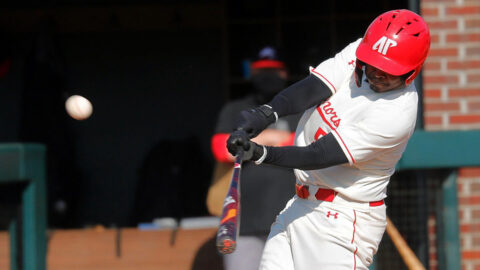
x,y
34,209
449,246
13,245
25,163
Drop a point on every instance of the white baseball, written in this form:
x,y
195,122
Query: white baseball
x,y
78,107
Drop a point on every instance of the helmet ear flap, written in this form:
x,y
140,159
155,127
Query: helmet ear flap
x,y
358,72
412,75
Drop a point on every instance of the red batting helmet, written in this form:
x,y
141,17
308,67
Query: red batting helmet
x,y
396,42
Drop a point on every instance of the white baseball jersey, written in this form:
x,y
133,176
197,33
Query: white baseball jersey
x,y
372,129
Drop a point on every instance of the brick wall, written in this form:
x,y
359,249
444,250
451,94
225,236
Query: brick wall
x,y
469,211
452,102
452,71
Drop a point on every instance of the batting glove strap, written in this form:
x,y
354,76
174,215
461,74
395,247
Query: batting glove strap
x,y
262,158
268,111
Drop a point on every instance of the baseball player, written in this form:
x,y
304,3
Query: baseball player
x,y
359,112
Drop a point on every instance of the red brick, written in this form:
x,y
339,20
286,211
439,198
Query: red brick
x,y
475,187
463,10
463,37
469,172
433,120
442,106
432,93
465,119
429,11
464,92
442,24
475,214
474,105
432,65
432,221
476,241
466,228
474,51
471,254
440,79
468,64
434,38
443,52
472,23
471,200
473,78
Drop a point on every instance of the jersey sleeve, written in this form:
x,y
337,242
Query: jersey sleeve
x,y
335,70
377,133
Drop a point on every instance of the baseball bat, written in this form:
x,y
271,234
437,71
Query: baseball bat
x,y
408,256
230,219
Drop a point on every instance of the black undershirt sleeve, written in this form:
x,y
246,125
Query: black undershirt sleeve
x,y
325,152
300,96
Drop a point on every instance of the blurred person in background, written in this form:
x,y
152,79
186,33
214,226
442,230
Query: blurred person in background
x,y
264,189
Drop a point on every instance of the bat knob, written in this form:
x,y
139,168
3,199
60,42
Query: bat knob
x,y
226,246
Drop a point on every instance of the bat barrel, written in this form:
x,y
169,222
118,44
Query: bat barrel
x,y
227,236
226,245
229,220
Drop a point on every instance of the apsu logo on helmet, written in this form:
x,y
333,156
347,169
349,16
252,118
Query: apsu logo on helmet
x,y
383,44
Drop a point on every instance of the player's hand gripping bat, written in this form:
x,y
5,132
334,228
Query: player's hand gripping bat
x,y
230,219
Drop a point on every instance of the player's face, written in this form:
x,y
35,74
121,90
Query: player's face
x,y
382,82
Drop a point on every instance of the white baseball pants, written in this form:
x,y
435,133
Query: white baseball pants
x,y
311,234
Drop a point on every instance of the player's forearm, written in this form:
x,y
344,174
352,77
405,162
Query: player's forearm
x,y
323,153
300,96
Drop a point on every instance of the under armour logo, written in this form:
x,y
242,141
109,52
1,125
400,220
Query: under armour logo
x,y
383,44
333,215
351,62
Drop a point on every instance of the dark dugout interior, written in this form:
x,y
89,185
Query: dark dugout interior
x,y
157,73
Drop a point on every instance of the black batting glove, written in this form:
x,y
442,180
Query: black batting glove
x,y
239,141
254,121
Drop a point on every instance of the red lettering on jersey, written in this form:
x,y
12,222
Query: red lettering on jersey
x,y
331,114
335,120
329,111
319,132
